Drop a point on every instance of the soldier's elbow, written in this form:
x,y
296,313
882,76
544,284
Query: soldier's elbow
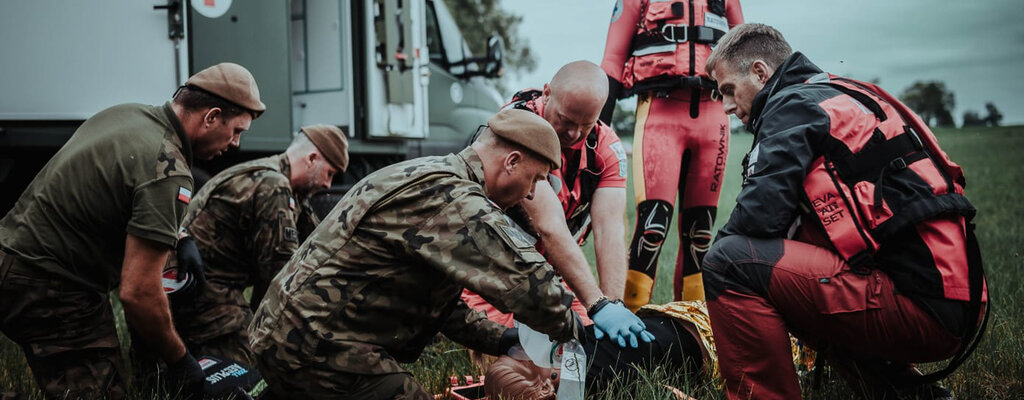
x,y
133,298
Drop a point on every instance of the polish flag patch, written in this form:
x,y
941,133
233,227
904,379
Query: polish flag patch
x,y
184,195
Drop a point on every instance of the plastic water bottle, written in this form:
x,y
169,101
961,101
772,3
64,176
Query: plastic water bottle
x,y
574,372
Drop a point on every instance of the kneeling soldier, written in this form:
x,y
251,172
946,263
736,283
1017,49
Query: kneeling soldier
x,y
382,276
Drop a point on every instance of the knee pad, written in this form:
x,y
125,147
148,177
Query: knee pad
x,y
654,217
653,220
696,233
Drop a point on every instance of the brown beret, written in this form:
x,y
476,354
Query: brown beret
x,y
528,130
331,142
232,82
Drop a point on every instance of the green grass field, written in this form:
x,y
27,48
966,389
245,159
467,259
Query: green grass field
x,y
995,371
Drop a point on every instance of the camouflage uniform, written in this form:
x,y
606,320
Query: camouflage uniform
x,y
382,275
124,171
244,224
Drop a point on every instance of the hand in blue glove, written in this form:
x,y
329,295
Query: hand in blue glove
x,y
621,325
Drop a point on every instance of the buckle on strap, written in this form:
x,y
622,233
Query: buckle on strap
x,y
670,32
704,34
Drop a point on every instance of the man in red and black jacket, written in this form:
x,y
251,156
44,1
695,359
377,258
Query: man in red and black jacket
x,y
851,231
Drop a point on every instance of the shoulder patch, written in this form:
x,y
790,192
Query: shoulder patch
x,y
617,11
751,162
184,194
620,153
516,235
291,235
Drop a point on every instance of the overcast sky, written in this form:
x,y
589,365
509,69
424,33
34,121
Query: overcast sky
x,y
975,47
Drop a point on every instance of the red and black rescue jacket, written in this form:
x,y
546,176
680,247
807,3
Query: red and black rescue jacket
x,y
849,162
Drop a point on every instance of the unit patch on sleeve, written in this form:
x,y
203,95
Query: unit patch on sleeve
x,y
620,153
184,195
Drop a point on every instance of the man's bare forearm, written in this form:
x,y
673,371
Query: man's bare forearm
x,y
142,295
608,216
565,255
560,249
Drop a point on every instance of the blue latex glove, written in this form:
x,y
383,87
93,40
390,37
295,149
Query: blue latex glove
x,y
621,325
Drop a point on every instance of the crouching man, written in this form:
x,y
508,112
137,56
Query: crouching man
x,y
243,227
851,230
381,276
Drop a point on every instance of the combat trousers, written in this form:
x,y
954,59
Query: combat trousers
x,y
319,384
66,330
758,289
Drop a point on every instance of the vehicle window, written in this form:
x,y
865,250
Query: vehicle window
x,y
451,38
434,37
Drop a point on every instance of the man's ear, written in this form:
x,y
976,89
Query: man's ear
x,y
546,93
512,160
312,157
760,69
212,115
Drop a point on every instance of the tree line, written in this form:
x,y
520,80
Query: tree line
x,y
934,103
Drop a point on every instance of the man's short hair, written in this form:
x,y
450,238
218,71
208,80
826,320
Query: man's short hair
x,y
194,99
749,42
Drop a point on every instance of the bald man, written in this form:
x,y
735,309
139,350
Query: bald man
x,y
591,193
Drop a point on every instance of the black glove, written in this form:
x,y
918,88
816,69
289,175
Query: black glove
x,y
187,375
508,339
190,261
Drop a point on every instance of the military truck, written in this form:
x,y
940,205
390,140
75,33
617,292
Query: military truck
x,y
396,75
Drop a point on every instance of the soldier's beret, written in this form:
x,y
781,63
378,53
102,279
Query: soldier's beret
x,y
232,82
331,142
528,130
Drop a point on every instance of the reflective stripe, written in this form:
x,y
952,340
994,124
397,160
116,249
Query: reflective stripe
x,y
661,48
639,187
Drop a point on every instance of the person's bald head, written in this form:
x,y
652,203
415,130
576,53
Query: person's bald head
x,y
573,100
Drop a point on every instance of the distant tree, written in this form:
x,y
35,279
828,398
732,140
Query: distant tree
x,y
479,19
971,119
945,119
624,120
994,117
932,101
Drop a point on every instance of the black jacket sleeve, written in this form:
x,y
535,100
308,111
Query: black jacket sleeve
x,y
614,91
791,127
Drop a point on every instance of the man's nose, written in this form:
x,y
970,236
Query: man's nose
x,y
729,105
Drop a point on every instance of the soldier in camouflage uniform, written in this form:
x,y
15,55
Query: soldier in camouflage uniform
x,y
244,224
381,276
103,214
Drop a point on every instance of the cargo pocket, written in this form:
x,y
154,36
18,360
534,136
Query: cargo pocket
x,y
846,292
660,12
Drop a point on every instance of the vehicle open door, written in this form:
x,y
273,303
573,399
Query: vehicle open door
x,y
398,66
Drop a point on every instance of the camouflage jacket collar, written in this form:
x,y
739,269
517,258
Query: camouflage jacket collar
x,y
179,130
474,165
284,166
